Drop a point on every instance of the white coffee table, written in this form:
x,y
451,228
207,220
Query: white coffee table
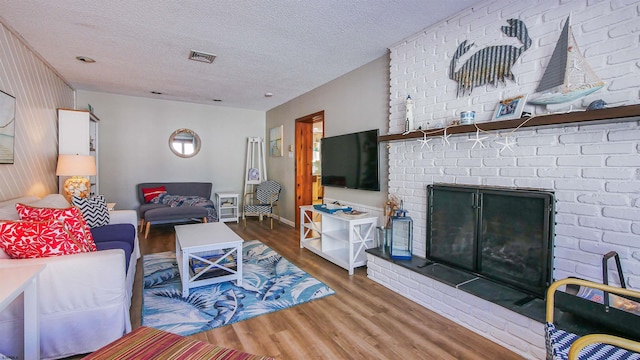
x,y
210,244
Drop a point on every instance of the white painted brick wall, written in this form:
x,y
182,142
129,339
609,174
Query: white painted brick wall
x,y
593,169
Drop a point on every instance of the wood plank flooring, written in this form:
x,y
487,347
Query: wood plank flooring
x,y
363,320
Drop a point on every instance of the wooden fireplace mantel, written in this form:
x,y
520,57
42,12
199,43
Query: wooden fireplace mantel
x,y
615,114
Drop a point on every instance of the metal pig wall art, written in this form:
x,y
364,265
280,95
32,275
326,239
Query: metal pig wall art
x,y
490,64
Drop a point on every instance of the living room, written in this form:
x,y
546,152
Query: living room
x,y
595,215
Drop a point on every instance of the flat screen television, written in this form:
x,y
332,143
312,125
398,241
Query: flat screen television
x,y
351,161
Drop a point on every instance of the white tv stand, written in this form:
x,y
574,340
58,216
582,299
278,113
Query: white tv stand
x,y
340,239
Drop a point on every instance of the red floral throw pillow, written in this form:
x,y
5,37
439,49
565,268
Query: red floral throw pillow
x,y
36,239
72,217
152,193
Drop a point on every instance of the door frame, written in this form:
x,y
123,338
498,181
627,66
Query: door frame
x,y
304,150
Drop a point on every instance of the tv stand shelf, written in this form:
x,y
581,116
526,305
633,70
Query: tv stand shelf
x,y
338,238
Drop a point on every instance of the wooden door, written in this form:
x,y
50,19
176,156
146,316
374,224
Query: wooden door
x,y
304,153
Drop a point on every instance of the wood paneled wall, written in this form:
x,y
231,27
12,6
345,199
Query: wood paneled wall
x,y
39,91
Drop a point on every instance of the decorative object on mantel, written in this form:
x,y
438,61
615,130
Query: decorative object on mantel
x,y
510,108
467,117
76,166
491,64
424,141
400,245
7,127
608,114
596,105
445,137
628,113
568,76
478,140
506,144
408,122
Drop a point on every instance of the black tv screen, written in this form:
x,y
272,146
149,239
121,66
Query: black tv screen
x,y
351,161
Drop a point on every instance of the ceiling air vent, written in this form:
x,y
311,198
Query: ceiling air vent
x,y
201,56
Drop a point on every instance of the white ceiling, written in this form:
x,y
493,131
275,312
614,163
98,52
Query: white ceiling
x,y
285,47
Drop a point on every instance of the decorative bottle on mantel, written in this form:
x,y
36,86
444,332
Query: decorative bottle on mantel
x,y
408,122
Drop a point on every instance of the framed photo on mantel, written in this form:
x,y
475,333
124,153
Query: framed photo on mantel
x,y
511,108
7,127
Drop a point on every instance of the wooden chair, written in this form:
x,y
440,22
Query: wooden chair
x,y
565,345
262,201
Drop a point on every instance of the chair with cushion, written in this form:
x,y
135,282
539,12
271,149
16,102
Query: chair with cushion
x,y
601,342
262,201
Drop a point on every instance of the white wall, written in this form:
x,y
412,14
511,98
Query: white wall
x,y
39,92
134,143
353,102
591,168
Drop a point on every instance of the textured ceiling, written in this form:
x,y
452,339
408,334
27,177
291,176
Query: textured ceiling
x,y
284,47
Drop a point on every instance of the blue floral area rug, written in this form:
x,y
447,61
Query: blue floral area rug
x,y
269,283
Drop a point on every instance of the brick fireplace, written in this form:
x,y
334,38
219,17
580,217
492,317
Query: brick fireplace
x,y
592,168
597,199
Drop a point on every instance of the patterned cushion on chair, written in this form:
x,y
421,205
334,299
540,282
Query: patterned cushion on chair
x,y
558,343
258,209
268,191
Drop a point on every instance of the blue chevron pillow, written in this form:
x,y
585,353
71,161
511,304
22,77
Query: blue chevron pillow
x,y
94,210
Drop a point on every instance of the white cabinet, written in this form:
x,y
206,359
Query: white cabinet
x,y
341,239
227,207
78,134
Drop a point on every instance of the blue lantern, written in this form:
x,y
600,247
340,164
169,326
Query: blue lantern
x,y
400,245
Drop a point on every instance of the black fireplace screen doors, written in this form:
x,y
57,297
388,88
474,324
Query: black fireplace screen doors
x,y
501,234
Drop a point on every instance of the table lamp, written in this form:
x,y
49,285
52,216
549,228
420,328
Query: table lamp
x,y
76,166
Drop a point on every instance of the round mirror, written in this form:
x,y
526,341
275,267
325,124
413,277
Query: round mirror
x,y
184,143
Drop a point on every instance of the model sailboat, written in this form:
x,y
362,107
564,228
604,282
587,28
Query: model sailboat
x,y
568,76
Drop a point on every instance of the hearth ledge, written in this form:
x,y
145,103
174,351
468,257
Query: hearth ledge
x,y
509,298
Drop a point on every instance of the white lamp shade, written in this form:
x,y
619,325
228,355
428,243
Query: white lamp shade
x,y
76,165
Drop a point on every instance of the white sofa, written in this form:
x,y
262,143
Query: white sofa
x,y
84,299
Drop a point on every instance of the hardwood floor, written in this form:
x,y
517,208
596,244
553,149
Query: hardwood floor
x,y
362,320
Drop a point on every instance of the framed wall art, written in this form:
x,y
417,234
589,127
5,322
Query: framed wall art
x,y
275,141
7,127
511,108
